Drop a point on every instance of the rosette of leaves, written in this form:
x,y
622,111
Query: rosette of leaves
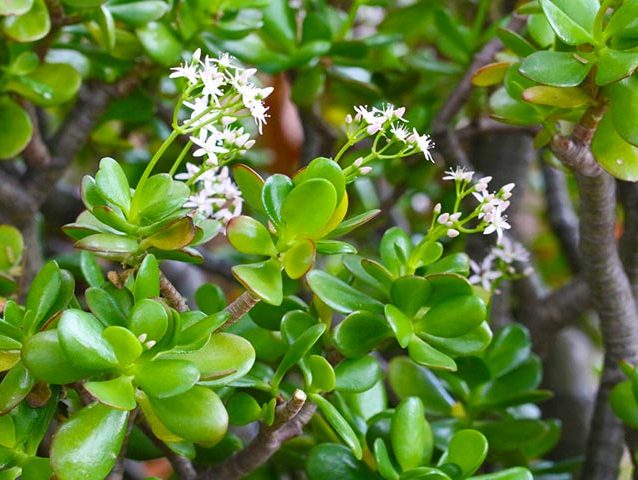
x,y
303,213
10,258
414,296
124,225
574,55
403,446
492,392
130,349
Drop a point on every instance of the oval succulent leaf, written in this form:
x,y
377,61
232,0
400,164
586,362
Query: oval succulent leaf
x,y
87,445
249,236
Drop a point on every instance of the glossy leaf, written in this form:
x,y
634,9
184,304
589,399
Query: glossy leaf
x,y
263,279
80,335
251,185
14,387
341,426
105,307
175,235
400,324
117,393
87,445
225,358
147,280
328,461
623,109
624,404
30,26
613,153
467,449
44,357
15,7
48,85
359,333
160,42
410,293
323,375
126,345
614,65
453,317
148,317
572,27
339,295
357,375
408,379
17,130
44,291
249,236
299,259
166,378
424,354
490,74
197,415
559,69
274,193
139,13
297,350
411,434
568,97
308,208
395,249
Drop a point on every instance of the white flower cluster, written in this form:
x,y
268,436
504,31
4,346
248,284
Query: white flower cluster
x,y
492,205
216,196
218,95
500,263
389,123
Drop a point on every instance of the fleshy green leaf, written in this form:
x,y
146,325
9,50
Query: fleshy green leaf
x,y
17,128
411,434
467,449
48,85
165,378
117,393
296,351
44,357
357,375
30,26
197,415
308,207
339,295
80,335
453,317
341,426
572,25
249,236
263,279
88,444
424,354
559,69
359,333
613,153
299,259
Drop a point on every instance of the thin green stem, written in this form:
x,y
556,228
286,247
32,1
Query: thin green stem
x,y
181,157
349,22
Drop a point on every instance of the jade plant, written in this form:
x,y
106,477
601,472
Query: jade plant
x,y
116,367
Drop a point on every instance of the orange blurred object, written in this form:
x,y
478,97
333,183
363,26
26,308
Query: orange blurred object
x,y
283,134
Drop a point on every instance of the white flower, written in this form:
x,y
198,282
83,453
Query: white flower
x,y
216,196
400,132
210,144
459,174
188,70
510,251
423,143
484,274
497,223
